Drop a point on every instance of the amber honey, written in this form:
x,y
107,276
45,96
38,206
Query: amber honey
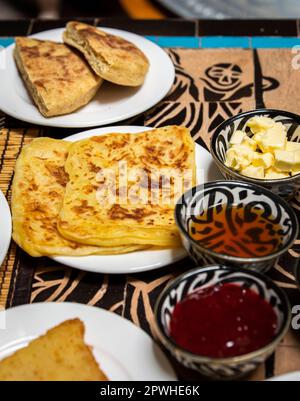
x,y
237,231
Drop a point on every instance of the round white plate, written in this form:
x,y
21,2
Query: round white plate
x,y
123,350
112,102
5,236
138,261
287,377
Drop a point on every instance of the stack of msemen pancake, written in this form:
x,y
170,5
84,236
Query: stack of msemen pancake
x,y
61,79
107,194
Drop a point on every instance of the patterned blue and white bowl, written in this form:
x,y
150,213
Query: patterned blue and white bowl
x,y
241,194
285,187
220,368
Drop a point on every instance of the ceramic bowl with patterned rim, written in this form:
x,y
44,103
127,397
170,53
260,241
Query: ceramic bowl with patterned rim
x,y
239,194
200,278
285,187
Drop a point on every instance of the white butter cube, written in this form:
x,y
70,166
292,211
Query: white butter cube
x,y
273,174
249,142
284,160
254,172
292,146
238,157
274,138
257,137
237,137
260,123
231,158
296,165
264,160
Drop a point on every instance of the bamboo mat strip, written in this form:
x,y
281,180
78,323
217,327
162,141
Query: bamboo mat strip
x,y
11,143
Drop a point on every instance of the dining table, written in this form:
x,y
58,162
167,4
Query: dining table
x,y
223,67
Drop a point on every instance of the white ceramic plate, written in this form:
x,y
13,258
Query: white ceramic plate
x,y
287,377
5,231
141,260
123,350
112,102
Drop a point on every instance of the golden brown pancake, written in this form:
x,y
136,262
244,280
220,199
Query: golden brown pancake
x,y
58,355
37,196
105,205
58,79
111,57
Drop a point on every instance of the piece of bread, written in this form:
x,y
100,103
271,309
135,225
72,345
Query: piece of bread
x,y
37,195
132,207
111,57
58,79
58,355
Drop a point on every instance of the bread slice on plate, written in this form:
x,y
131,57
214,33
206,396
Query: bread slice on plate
x,y
37,196
58,79
111,57
59,355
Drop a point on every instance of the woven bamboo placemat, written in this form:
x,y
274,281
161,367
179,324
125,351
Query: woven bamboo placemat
x,y
11,142
211,85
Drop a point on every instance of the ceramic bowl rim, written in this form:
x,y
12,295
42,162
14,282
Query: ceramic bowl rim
x,y
174,348
231,258
250,113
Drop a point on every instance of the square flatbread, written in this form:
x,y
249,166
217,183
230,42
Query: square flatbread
x,y
111,57
122,188
58,79
37,196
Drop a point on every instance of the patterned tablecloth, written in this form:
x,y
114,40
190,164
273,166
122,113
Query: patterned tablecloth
x,y
211,85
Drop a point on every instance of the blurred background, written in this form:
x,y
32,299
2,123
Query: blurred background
x,y
153,9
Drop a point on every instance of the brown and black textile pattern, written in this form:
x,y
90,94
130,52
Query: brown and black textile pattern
x,y
211,85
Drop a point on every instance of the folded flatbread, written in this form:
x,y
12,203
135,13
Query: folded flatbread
x,y
111,57
58,79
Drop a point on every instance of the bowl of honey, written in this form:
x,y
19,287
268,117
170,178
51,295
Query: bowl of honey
x,y
235,223
222,321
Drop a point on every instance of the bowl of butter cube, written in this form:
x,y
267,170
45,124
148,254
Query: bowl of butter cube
x,y
262,147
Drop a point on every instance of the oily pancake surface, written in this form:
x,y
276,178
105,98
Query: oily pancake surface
x,y
123,187
37,196
59,355
58,78
111,57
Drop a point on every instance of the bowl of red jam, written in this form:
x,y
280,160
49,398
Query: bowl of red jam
x,y
235,223
222,321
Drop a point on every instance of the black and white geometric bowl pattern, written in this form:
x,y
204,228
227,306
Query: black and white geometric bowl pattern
x,y
234,193
220,368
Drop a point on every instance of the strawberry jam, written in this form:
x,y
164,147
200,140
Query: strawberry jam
x,y
223,321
